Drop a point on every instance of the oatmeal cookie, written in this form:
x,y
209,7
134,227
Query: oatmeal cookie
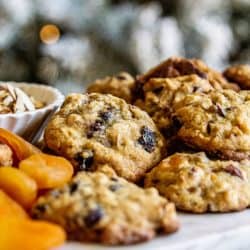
x,y
216,122
198,184
239,74
97,208
162,94
121,86
177,66
95,129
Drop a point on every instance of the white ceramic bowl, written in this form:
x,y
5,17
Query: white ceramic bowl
x,y
25,123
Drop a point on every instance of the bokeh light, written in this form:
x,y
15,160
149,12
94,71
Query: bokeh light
x,y
49,34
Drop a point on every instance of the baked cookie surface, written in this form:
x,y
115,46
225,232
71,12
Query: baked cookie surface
x,y
178,66
95,207
95,129
216,122
161,95
121,86
239,74
198,184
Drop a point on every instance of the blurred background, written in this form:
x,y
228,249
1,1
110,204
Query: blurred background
x,y
69,43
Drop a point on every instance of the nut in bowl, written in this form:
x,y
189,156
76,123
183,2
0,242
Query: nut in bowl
x,y
24,106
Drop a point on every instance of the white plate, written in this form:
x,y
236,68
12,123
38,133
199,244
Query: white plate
x,y
198,232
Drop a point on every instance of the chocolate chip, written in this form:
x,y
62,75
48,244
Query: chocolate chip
x,y
84,164
220,110
147,139
93,217
114,187
232,170
73,187
114,179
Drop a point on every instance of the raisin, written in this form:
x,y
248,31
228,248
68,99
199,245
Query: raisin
x,y
73,187
195,88
220,110
41,208
138,92
84,163
209,129
114,187
106,115
171,130
158,90
97,126
232,170
201,74
120,77
147,139
93,217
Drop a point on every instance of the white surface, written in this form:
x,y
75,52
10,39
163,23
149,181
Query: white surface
x,y
198,232
24,123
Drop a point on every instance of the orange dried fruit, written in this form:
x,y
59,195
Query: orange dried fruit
x,y
48,171
26,234
21,148
9,207
18,185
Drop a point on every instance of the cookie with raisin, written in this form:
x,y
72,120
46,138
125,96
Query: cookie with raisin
x,y
216,122
198,184
94,207
161,95
239,74
178,66
121,86
95,129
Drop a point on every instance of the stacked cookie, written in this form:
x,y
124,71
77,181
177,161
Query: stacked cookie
x,y
181,128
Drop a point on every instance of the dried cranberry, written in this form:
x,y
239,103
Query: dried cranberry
x,y
147,139
93,217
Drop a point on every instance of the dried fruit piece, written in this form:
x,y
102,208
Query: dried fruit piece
x,y
9,207
232,170
18,185
29,235
21,148
147,139
47,170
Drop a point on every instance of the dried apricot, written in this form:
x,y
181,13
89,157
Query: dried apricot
x,y
9,207
48,171
26,234
21,148
18,185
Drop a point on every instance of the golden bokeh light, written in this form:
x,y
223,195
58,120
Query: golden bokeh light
x,y
49,34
